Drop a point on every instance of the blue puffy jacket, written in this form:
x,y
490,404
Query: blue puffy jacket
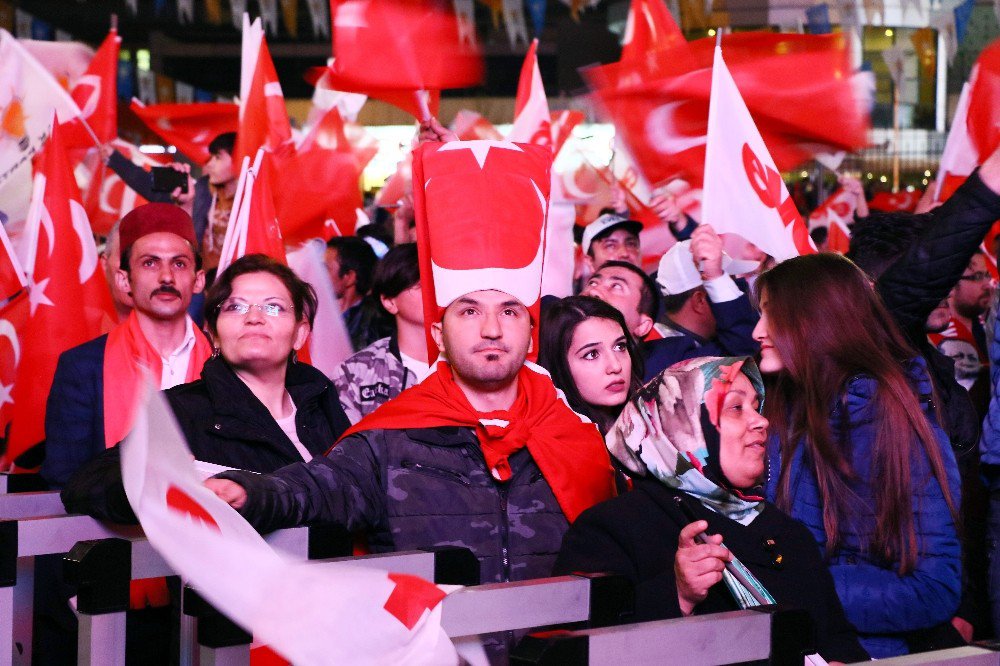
x,y
880,603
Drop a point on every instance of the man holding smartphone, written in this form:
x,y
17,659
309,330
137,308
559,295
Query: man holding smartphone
x,y
208,200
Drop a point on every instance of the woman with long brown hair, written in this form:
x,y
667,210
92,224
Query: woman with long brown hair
x,y
856,452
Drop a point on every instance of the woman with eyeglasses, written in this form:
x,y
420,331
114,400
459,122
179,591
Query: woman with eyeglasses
x,y
255,407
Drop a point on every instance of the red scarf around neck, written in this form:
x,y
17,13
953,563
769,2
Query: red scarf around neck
x,y
569,451
126,353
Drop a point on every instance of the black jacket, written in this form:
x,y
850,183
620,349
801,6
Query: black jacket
x,y
224,423
636,534
914,285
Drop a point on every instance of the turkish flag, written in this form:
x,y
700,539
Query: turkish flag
x,y
472,126
984,100
390,48
532,120
96,93
895,201
836,214
563,123
69,299
107,198
319,189
253,224
960,157
13,316
190,127
374,616
263,116
649,28
798,88
744,193
12,279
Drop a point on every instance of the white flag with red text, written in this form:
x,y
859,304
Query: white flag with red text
x,y
960,156
743,192
306,614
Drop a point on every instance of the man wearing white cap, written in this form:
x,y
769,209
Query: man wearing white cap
x,y
484,452
611,237
706,312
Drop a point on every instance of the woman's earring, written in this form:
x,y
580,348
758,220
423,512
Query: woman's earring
x,y
216,352
295,356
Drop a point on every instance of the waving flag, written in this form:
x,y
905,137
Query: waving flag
x,y
532,121
96,93
960,157
69,300
649,27
390,50
263,117
325,203
308,615
893,201
799,89
984,100
29,95
190,127
836,214
253,223
744,193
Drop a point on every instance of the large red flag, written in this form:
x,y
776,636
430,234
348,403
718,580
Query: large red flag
x,y
984,102
13,316
263,117
96,93
190,127
744,193
69,300
649,27
799,90
320,188
390,49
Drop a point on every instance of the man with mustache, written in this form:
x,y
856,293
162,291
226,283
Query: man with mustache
x,y
91,403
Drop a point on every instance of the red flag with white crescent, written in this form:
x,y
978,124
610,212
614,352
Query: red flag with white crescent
x,y
96,93
69,299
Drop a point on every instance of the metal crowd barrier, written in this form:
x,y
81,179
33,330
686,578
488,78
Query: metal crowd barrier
x,y
24,496
969,655
23,540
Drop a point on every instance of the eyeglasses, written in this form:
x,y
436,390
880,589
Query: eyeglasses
x,y
240,308
978,276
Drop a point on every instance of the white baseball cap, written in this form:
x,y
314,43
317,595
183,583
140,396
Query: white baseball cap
x,y
677,272
607,222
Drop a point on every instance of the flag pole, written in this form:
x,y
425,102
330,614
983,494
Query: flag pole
x,y
895,137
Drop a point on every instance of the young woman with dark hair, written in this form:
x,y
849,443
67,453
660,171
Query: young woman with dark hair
x,y
584,344
856,452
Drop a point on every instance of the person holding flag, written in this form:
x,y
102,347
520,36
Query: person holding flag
x,y
483,452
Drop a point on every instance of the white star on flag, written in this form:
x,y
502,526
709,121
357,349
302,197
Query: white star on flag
x,y
480,149
36,294
5,390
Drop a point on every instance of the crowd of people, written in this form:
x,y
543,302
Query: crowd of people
x,y
725,432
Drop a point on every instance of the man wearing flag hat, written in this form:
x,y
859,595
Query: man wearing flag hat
x,y
484,452
90,405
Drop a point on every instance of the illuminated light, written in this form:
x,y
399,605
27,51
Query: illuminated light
x,y
152,149
925,181
910,188
927,173
711,32
870,176
883,179
142,60
804,174
888,32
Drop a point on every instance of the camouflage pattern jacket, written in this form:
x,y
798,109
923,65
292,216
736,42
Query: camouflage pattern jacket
x,y
372,376
417,488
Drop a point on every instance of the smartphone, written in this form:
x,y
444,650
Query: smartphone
x,y
168,179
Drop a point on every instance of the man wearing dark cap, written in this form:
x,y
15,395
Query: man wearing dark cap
x,y
90,406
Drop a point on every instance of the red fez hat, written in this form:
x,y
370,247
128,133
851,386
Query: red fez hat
x,y
154,217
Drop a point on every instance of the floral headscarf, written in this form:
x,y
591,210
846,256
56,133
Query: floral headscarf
x,y
669,430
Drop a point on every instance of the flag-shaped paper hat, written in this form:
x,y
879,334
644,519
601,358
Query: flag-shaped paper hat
x,y
481,209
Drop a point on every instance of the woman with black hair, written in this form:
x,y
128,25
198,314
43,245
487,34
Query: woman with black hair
x,y
587,349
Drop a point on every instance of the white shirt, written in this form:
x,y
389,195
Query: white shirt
x,y
419,369
175,364
287,425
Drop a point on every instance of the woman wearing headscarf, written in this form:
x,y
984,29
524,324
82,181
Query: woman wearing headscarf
x,y
695,535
